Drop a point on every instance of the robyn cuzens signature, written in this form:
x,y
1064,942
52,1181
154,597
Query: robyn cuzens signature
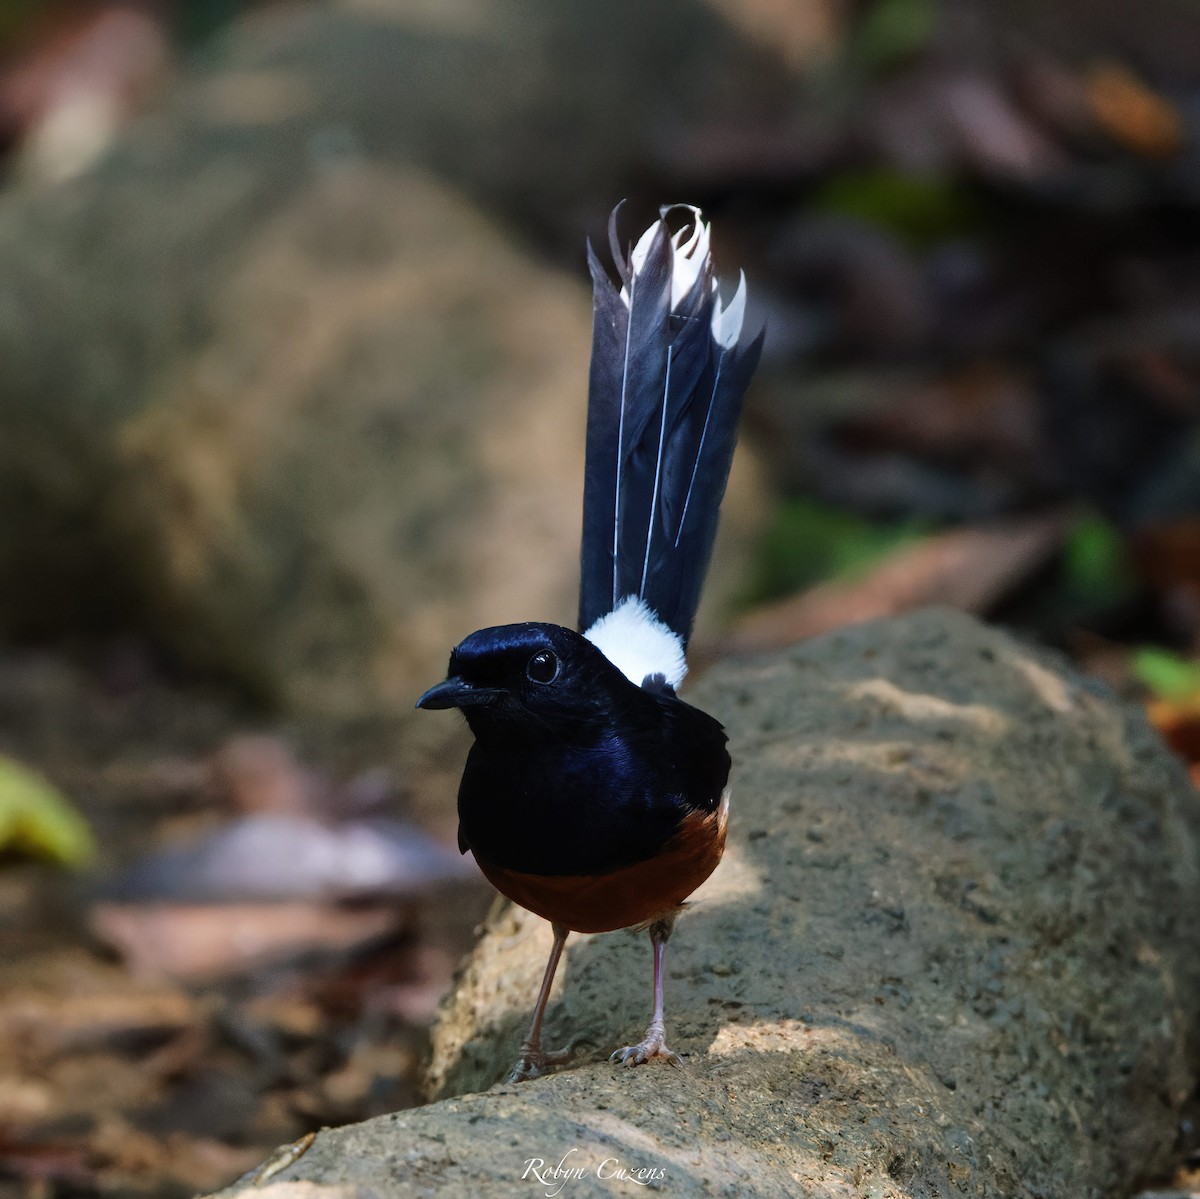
x,y
554,1177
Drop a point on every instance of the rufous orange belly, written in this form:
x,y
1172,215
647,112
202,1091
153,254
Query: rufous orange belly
x,y
632,895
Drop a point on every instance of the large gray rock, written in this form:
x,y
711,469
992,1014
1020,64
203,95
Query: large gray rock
x,y
950,951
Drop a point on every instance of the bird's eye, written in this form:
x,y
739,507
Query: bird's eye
x,y
543,667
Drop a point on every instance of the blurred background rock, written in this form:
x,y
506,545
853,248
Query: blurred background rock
x,y
293,350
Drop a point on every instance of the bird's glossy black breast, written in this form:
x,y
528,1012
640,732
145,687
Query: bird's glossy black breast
x,y
536,804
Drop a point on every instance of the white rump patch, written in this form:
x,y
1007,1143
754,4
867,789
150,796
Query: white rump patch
x,y
638,644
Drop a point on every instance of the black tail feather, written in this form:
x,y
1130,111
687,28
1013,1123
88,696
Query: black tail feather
x,y
663,407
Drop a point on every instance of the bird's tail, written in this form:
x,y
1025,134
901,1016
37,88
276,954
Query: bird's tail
x,y
669,368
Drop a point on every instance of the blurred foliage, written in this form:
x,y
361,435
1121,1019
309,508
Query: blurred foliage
x,y
14,14
893,31
809,541
920,210
197,19
1168,676
36,819
1096,571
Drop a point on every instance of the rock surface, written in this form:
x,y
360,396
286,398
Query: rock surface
x,y
948,952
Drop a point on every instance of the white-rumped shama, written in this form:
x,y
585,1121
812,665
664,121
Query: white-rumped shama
x,y
593,795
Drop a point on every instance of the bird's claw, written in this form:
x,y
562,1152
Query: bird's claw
x,y
653,1045
534,1065
535,1061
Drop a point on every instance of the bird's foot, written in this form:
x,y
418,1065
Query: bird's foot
x,y
654,1044
536,1061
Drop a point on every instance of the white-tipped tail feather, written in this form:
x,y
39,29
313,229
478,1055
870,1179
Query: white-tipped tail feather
x,y
727,321
638,644
670,364
690,257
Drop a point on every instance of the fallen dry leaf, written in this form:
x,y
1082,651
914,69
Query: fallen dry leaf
x,y
1179,723
1132,113
971,569
993,134
203,941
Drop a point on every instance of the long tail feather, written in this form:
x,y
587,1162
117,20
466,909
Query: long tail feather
x,y
669,370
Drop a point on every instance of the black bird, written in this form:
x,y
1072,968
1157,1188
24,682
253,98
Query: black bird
x,y
593,795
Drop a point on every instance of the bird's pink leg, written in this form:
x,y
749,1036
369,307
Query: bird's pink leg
x,y
654,1043
534,1060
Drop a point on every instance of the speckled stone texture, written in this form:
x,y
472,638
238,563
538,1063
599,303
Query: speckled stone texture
x,y
949,952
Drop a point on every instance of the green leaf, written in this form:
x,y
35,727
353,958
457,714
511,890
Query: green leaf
x,y
37,819
1167,675
894,30
808,541
921,210
1095,567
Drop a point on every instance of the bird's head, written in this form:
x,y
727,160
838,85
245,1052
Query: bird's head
x,y
531,675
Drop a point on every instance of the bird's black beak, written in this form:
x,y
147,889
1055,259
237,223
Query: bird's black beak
x,y
457,693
